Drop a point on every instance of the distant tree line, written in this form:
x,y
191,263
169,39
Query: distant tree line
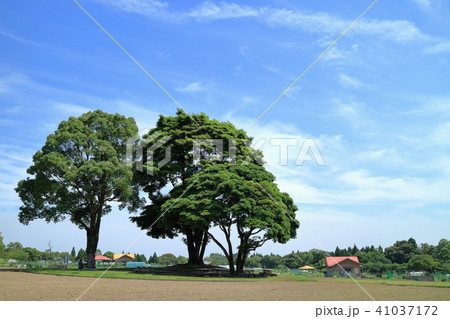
x,y
403,255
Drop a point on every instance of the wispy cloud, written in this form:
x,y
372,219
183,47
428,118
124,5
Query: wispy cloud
x,y
212,11
315,22
11,81
150,8
426,4
191,88
441,47
348,81
72,109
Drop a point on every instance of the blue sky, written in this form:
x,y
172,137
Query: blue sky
x,y
377,105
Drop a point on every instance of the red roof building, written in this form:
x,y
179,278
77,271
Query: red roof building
x,y
102,258
343,266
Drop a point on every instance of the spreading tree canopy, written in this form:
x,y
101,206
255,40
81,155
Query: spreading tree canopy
x,y
177,135
228,189
79,171
242,198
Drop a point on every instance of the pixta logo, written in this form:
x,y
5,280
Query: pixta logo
x,y
136,147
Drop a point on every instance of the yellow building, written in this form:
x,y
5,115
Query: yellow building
x,y
123,258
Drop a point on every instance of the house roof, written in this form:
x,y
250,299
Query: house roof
x,y
307,268
331,261
117,256
100,257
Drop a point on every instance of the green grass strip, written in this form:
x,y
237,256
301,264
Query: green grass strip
x,y
132,275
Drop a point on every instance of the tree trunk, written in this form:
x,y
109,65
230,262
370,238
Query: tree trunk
x,y
228,253
92,242
195,244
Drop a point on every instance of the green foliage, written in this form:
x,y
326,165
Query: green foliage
x,y
78,172
73,254
254,261
168,259
292,261
109,254
153,259
178,175
33,254
313,257
422,262
375,256
443,251
14,245
445,268
2,245
81,254
271,261
140,258
217,259
16,253
427,249
376,267
243,196
182,260
402,251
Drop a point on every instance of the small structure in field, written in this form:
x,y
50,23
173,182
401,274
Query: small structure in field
x,y
307,268
343,266
123,258
102,259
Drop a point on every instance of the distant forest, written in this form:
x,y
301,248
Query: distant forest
x,y
402,256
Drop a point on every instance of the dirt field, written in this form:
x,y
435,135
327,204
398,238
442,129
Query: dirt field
x,y
26,286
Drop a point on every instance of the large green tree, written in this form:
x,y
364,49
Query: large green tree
x,y
422,262
443,251
402,251
241,198
79,171
171,143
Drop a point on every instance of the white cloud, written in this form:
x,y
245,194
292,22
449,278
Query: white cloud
x,y
72,109
441,47
11,81
426,4
348,81
316,22
212,11
191,88
352,112
249,99
145,7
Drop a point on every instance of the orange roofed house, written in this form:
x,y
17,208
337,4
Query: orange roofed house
x,y
337,265
123,258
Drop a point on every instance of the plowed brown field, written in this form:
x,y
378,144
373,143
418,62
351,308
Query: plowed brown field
x,y
27,286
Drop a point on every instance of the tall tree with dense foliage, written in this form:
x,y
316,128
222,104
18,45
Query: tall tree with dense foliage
x,y
73,254
79,171
169,181
81,254
241,198
443,251
402,251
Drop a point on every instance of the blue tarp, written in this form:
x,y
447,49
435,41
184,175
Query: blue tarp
x,y
135,264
